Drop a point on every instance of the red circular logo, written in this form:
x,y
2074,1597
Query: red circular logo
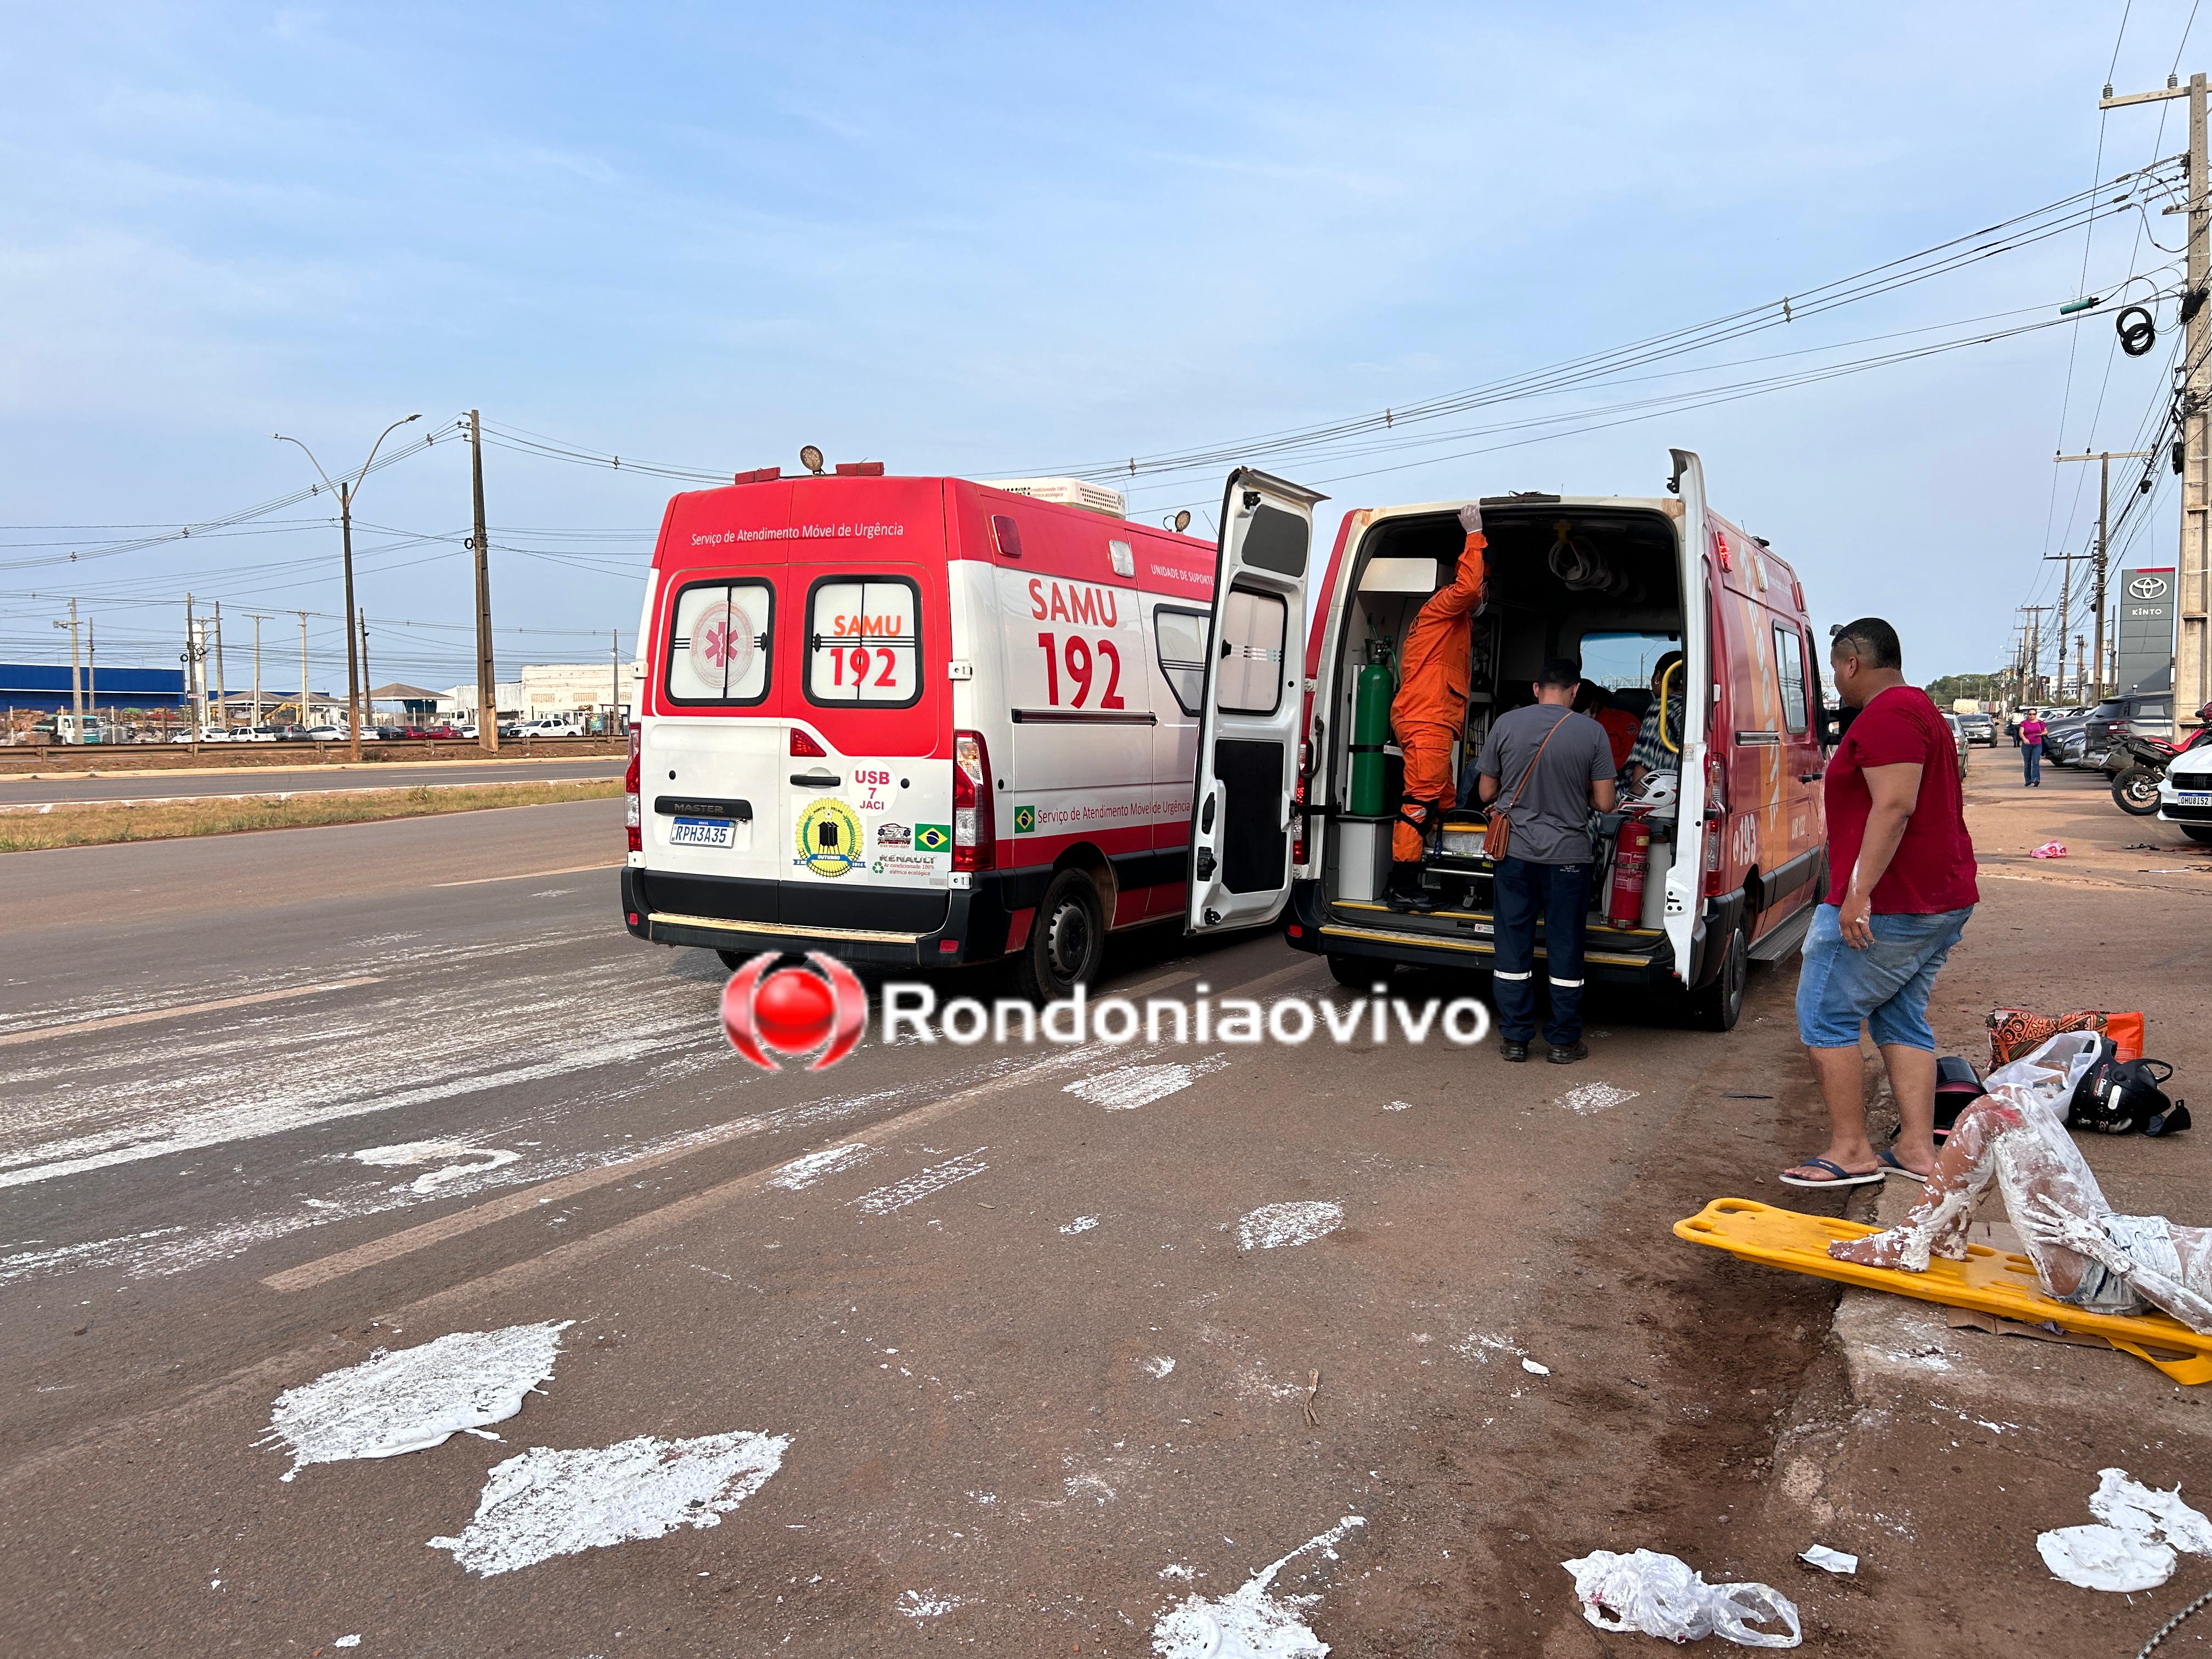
x,y
795,1010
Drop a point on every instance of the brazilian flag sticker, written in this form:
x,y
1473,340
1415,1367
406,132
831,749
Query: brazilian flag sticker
x,y
933,838
1025,820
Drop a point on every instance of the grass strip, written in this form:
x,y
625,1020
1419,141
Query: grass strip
x,y
110,821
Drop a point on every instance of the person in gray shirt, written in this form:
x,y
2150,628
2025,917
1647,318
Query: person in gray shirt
x,y
1545,767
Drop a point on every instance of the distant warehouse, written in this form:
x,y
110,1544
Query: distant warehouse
x,y
45,687
553,689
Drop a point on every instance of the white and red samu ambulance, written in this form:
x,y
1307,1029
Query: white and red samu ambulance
x,y
918,722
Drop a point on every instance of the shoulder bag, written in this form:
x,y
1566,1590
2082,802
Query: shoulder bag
x,y
1499,834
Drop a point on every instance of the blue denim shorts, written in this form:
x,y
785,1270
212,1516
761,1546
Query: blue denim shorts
x,y
1885,985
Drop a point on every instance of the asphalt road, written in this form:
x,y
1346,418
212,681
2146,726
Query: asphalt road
x,y
999,1327
264,780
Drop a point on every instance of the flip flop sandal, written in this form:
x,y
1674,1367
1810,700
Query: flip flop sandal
x,y
1837,1175
1890,1166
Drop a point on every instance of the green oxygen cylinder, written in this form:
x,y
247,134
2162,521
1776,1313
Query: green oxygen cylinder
x,y
1370,729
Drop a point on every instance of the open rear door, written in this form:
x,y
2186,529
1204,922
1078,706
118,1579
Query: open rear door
x,y
1248,733
1686,876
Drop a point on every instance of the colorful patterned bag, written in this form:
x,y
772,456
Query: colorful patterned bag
x,y
2015,1032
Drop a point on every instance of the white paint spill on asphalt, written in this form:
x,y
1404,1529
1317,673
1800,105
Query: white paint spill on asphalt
x,y
1399,1106
927,1604
801,1173
288,1068
546,1502
406,1152
353,1640
1081,1224
1158,1366
1275,1226
925,1183
1249,1623
415,1398
1125,1088
1594,1098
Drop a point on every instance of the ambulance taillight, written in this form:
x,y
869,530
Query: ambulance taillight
x,y
630,790
975,822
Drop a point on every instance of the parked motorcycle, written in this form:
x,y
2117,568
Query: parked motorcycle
x,y
2138,765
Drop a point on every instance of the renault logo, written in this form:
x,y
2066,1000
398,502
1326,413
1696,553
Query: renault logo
x,y
2147,587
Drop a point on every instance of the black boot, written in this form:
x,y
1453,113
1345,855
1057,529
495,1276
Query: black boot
x,y
1405,894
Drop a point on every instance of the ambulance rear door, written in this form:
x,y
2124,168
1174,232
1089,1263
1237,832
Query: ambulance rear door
x,y
1248,738
1685,876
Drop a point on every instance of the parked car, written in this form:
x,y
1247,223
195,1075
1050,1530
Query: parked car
x,y
1979,728
442,731
2066,742
327,734
1959,737
2185,794
2141,715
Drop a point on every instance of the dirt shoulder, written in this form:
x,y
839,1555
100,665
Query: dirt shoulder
x,y
25,830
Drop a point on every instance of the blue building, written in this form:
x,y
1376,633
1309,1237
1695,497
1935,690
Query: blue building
x,y
46,688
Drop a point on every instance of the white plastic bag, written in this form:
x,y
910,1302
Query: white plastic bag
x,y
1661,1596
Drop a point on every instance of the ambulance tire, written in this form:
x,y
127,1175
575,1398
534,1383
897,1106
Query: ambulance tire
x,y
1066,941
1720,1005
1358,973
734,960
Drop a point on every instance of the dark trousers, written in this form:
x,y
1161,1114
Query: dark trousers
x,y
2030,761
1557,892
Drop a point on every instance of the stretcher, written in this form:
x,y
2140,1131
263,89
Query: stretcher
x,y
1993,1281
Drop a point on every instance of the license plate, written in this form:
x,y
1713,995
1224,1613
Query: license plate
x,y
701,832
2193,797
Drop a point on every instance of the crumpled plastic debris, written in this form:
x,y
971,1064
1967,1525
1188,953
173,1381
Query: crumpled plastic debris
x,y
2049,849
1828,1560
2133,1547
1663,1595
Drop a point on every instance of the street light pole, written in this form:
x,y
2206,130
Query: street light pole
x,y
345,488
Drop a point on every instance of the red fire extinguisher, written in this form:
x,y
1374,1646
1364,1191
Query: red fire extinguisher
x,y
1632,859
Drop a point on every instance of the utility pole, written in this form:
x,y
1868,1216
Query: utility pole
x,y
2104,459
2081,670
304,720
76,681
614,659
487,668
2031,679
2192,663
92,669
196,668
222,689
345,488
369,679
258,619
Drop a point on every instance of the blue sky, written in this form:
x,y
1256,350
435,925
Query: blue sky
x,y
995,240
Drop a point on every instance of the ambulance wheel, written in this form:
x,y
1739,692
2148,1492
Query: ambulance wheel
x,y
1066,942
734,960
1720,1005
1358,973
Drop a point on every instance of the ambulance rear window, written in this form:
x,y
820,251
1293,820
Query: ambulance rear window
x,y
864,642
719,638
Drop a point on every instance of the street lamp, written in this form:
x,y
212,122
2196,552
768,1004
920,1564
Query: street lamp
x,y
344,489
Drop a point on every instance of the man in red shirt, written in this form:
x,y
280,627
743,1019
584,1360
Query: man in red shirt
x,y
1900,888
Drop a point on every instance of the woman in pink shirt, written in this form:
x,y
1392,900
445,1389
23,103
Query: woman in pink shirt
x,y
2032,729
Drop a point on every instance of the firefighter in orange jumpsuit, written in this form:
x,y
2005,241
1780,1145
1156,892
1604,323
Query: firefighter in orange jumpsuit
x,y
1429,710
